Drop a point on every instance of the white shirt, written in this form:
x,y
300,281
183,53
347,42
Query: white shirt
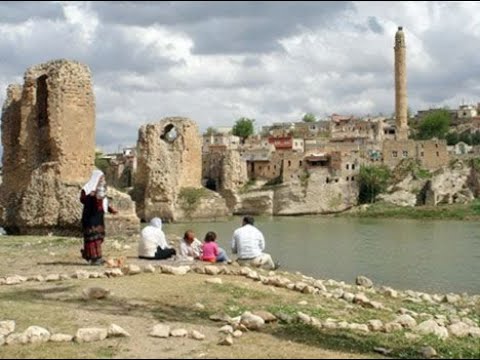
x,y
248,242
152,237
193,250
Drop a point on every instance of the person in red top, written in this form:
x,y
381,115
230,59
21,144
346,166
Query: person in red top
x,y
211,251
95,204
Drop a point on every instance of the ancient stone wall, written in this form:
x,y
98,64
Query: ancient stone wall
x,y
169,160
48,137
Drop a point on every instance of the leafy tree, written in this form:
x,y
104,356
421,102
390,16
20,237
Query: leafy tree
x,y
373,180
210,131
466,137
476,138
309,118
243,128
100,163
436,124
452,138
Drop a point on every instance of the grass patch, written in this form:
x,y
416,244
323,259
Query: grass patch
x,y
190,199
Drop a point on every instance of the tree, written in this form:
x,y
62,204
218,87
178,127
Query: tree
x,y
309,118
100,162
210,131
243,128
466,137
436,124
373,180
452,138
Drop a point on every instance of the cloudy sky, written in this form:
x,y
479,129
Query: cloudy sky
x,y
273,61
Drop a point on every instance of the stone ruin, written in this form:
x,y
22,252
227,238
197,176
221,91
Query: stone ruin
x,y
168,181
48,137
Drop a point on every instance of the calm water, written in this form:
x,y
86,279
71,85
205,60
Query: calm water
x,y
434,256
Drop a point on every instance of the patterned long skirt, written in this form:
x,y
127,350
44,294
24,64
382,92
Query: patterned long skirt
x,y
92,242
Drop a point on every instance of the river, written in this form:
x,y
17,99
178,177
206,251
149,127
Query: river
x,y
431,256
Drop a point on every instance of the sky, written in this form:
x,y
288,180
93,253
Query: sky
x,y
215,62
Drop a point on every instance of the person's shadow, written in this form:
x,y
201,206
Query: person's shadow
x,y
63,263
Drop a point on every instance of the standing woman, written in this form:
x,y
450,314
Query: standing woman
x,y
95,204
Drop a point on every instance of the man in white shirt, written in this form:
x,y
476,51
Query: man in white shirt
x,y
190,246
248,243
153,244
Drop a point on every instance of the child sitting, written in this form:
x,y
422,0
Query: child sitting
x,y
210,250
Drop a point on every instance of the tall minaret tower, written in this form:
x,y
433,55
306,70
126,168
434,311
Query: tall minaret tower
x,y
401,86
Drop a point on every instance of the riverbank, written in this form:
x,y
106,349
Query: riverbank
x,y
380,210
313,317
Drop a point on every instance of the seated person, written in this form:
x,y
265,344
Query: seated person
x,y
153,244
190,246
210,250
248,243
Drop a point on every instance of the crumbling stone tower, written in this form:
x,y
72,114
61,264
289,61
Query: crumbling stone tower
x,y
48,137
401,111
169,161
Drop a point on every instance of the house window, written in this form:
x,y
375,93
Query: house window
x,y
348,178
395,154
436,145
289,163
348,166
328,180
336,180
268,167
300,163
353,178
438,154
405,153
275,167
422,154
353,166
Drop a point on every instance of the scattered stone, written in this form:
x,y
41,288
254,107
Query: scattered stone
x,y
475,332
179,333
319,285
373,304
428,352
406,321
361,298
212,270
237,334
196,335
412,337
251,322
95,293
199,306
427,298
82,275
217,281
220,317
14,280
337,293
375,325
253,275
459,329
16,339
329,325
431,327
304,318
7,327
38,278
57,338
349,297
452,298
2,340
266,316
303,303
413,300
160,331
149,268
437,298
36,334
227,329
392,327
52,277
382,351
116,331
359,327
343,325
364,281
65,277
175,270
391,293
114,272
309,290
226,341
126,247
91,335
132,269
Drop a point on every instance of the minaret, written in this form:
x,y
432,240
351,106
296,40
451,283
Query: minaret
x,y
401,86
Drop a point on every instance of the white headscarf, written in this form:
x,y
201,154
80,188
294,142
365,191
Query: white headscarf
x,y
156,222
92,184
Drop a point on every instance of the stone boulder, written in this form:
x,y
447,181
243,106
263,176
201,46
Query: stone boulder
x,y
36,334
87,335
7,327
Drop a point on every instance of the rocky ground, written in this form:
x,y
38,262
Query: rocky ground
x,y
52,304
